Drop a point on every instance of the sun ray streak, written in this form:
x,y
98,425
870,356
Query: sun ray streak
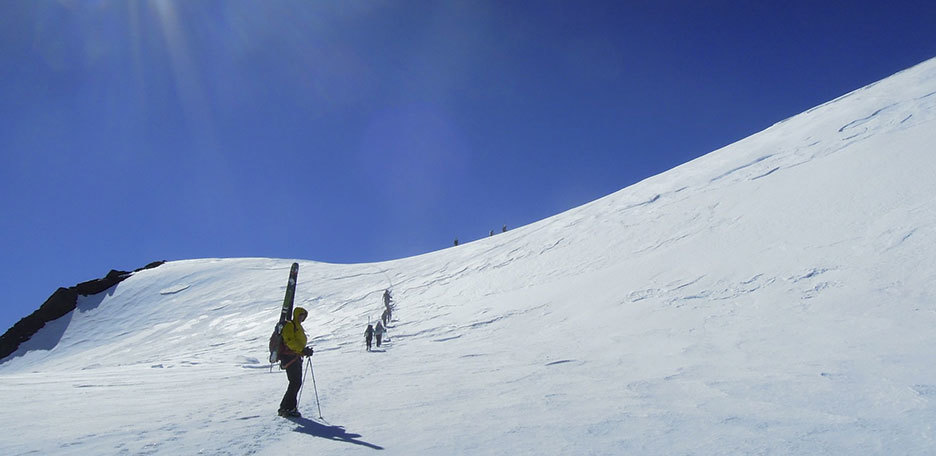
x,y
191,93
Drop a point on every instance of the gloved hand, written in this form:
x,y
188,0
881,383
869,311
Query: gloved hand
x,y
307,351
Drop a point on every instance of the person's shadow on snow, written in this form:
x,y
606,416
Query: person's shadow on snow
x,y
314,428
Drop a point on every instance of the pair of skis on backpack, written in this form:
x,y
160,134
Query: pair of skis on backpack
x,y
276,339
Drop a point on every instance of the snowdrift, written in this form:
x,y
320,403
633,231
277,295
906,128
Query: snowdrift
x,y
775,296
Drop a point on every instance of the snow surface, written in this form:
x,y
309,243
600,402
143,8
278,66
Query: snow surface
x,y
776,296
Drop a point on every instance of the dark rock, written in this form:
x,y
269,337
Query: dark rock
x,y
151,265
60,303
96,286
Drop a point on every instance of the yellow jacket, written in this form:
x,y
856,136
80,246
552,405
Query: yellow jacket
x,y
294,337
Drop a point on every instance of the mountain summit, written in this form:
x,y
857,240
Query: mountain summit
x,y
775,296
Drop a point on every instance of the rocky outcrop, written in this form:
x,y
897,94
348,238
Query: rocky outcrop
x,y
63,301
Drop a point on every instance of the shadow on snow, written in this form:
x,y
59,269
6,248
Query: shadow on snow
x,y
338,433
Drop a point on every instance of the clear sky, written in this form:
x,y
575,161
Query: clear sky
x,y
360,131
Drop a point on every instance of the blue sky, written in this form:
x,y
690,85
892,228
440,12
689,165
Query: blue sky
x,y
359,131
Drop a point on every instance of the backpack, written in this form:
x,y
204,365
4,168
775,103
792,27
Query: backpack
x,y
277,346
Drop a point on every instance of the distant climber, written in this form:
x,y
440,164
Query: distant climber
x,y
379,332
369,335
385,317
294,348
456,242
504,229
387,299
388,307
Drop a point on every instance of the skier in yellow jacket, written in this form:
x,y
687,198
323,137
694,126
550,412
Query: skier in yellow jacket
x,y
294,342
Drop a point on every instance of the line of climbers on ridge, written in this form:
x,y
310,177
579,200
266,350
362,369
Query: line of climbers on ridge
x,y
503,230
377,332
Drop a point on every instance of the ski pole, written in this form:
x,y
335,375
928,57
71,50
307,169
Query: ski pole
x,y
303,384
314,388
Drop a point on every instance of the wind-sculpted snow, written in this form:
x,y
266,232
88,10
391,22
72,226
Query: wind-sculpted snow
x,y
739,168
775,296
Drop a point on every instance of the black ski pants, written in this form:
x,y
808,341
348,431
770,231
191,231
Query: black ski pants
x,y
294,374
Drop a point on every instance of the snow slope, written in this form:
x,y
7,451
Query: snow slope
x,y
775,296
